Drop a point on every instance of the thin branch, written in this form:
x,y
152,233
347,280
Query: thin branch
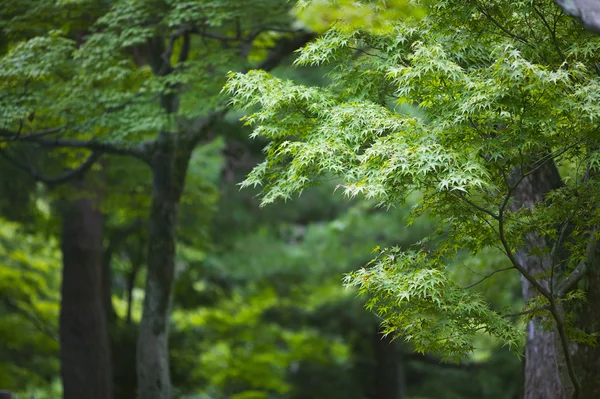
x,y
217,36
526,312
238,37
196,130
32,318
474,205
488,276
502,28
577,274
54,181
556,246
139,151
551,31
130,101
284,47
511,256
366,52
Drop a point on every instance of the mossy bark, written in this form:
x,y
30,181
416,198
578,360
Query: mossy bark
x,y
169,164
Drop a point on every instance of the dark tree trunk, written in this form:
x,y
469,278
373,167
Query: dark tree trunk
x,y
542,379
84,342
106,277
587,359
389,378
169,167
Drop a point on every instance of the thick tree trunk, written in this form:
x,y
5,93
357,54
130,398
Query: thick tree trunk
x,y
542,379
84,343
169,167
587,359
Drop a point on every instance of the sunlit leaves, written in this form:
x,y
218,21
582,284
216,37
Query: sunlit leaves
x,y
500,89
374,16
418,302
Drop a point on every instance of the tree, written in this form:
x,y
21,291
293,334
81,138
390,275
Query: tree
x,y
134,72
503,148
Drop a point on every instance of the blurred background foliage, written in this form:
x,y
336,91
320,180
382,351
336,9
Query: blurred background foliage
x,y
260,311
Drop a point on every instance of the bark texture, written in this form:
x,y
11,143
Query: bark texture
x,y
169,167
84,341
587,359
542,379
544,375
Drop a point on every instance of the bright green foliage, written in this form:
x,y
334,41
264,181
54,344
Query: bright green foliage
x,y
103,88
502,88
375,16
29,295
242,352
418,301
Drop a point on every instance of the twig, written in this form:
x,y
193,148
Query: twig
x,y
502,28
536,310
488,276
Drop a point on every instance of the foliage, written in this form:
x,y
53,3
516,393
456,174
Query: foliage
x,y
95,56
29,294
419,302
374,16
259,308
503,88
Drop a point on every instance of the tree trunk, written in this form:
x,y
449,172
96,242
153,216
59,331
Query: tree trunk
x,y
84,342
587,359
389,378
169,167
542,379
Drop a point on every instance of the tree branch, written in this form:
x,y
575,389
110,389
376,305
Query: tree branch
x,y
488,276
185,48
32,318
7,135
511,256
197,128
139,151
577,274
502,28
53,181
283,48
526,312
551,31
474,205
555,247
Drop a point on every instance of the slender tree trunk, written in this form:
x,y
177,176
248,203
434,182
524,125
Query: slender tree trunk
x,y
169,167
84,342
542,379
